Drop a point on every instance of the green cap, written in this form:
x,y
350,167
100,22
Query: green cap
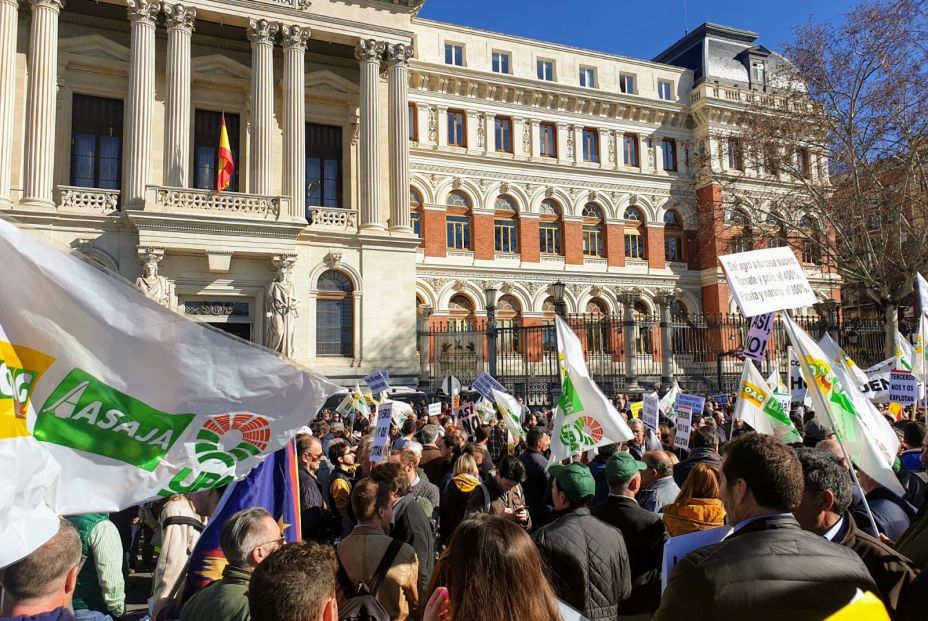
x,y
622,466
574,479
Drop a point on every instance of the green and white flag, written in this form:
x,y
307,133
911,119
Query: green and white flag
x,y
126,399
584,418
760,408
670,399
843,408
905,354
511,410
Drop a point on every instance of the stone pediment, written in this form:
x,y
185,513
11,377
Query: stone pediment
x,y
93,50
220,68
327,83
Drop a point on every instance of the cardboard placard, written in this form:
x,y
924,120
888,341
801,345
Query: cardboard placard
x,y
635,408
649,411
377,381
470,424
695,403
684,427
768,280
903,387
720,399
435,409
758,335
485,384
382,432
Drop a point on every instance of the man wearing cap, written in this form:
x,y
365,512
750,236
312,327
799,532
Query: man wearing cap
x,y
643,530
586,558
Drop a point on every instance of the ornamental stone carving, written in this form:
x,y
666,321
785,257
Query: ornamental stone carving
x,y
144,11
293,36
179,16
570,142
333,259
281,307
611,140
355,133
433,124
481,130
399,54
154,286
262,31
369,50
52,4
527,137
628,295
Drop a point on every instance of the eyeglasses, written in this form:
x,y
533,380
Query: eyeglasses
x,y
279,541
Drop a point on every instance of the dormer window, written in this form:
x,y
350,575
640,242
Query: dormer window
x,y
758,72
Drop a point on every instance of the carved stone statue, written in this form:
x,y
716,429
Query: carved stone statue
x,y
154,286
281,312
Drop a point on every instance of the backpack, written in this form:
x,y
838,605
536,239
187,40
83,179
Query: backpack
x,y
360,601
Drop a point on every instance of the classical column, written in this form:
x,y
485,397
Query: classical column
x,y
664,300
368,53
294,40
398,56
38,184
262,33
8,19
136,157
179,20
627,297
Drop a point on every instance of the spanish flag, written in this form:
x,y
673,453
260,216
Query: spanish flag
x,y
226,167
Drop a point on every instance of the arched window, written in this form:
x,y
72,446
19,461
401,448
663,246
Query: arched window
x,y
458,221
334,315
594,231
810,248
673,236
773,228
643,341
598,327
549,227
460,313
508,320
634,234
742,237
415,211
679,315
505,230
548,334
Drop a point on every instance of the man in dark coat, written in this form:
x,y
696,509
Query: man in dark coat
x,y
431,461
315,518
824,511
536,473
586,558
768,568
643,530
705,451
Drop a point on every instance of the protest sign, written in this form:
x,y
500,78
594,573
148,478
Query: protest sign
x,y
470,424
463,410
434,409
695,403
758,335
649,411
676,548
903,387
720,399
876,387
401,411
382,432
768,280
485,384
683,421
635,408
377,381
797,384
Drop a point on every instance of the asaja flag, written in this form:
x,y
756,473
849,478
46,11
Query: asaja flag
x,y
584,418
129,399
905,356
225,168
670,399
840,361
759,407
511,410
843,408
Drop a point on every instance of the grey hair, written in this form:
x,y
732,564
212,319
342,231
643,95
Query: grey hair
x,y
635,422
429,434
241,534
415,447
823,471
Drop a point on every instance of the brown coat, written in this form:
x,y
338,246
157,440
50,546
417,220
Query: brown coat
x,y
914,541
891,571
432,464
697,514
360,554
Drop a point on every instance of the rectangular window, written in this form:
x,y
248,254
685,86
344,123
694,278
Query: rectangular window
x,y
323,165
630,148
457,134
506,236
592,241
627,83
545,70
548,135
504,134
415,219
500,62
458,232
96,142
634,246
669,151
735,159
588,77
334,327
665,89
590,145
206,148
804,163
758,72
454,54
413,123
673,249
549,238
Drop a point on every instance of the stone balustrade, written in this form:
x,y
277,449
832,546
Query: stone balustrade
x,y
208,202
335,219
94,200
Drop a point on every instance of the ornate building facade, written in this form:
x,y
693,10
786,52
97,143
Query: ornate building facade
x,y
385,165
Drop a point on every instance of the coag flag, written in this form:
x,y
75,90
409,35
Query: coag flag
x,y
760,408
511,410
843,408
273,486
905,355
225,168
670,399
840,361
584,418
129,399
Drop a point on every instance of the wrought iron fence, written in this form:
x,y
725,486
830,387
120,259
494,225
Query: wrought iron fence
x,y
702,351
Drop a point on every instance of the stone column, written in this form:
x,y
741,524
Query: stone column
x,y
136,156
664,300
368,53
38,184
294,40
422,319
179,20
627,297
9,15
262,33
398,56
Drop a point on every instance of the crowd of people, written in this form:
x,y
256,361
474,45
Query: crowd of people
x,y
461,526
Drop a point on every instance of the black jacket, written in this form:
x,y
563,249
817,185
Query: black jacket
x,y
645,535
696,456
316,522
412,526
536,484
769,570
586,562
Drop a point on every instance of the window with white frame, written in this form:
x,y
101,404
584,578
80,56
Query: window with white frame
x,y
500,62
545,70
454,54
758,72
665,89
588,77
627,83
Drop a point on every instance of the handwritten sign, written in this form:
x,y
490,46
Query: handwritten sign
x,y
650,407
377,381
903,388
382,432
758,336
470,424
485,384
684,426
768,280
435,409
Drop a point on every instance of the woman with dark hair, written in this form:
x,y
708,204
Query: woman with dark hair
x,y
490,571
698,505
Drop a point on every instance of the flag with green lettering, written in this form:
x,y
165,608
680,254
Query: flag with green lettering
x,y
759,407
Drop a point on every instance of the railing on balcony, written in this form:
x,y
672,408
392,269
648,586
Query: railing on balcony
x,y
207,202
331,218
88,200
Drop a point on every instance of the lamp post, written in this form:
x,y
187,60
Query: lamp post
x,y
557,291
490,299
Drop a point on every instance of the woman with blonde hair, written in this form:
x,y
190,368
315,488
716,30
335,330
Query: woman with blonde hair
x,y
698,505
463,494
491,570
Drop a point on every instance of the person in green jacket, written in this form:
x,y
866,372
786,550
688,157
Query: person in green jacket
x,y
248,537
100,594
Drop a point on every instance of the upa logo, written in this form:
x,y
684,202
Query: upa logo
x,y
232,438
20,371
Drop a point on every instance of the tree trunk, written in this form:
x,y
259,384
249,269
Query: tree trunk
x,y
890,328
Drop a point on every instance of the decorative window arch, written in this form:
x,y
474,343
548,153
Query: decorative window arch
x,y
598,327
594,231
673,236
458,221
810,251
334,315
775,231
635,234
458,199
550,227
508,321
415,210
461,313
505,227
548,332
644,342
741,232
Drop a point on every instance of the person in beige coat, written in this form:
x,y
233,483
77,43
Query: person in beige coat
x,y
180,527
361,551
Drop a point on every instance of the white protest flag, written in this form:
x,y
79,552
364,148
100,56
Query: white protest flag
x,y
131,400
905,355
842,408
667,401
840,361
511,410
584,418
759,407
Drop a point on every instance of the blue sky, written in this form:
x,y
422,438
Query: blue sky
x,y
637,29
